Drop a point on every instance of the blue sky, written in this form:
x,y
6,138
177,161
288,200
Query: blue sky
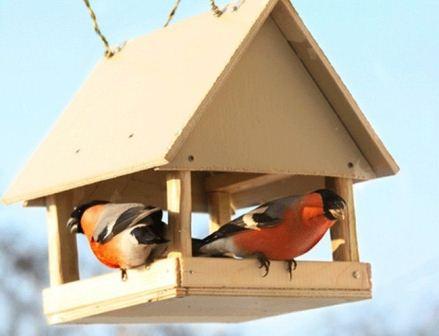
x,y
386,53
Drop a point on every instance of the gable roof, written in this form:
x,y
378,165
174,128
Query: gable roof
x,y
146,100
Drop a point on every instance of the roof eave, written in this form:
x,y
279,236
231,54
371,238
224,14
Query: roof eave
x,y
335,91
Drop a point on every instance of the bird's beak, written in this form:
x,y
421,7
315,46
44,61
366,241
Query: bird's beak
x,y
337,213
72,225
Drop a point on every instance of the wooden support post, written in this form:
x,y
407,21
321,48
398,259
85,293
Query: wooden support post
x,y
179,200
343,233
63,253
219,209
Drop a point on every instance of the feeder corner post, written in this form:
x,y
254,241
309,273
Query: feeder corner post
x,y
219,208
179,205
344,233
62,249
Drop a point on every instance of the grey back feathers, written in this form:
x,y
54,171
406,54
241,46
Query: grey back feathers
x,y
266,215
116,218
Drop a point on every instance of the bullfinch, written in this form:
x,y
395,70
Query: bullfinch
x,y
282,229
124,235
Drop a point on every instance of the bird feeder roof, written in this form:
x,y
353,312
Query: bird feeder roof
x,y
249,91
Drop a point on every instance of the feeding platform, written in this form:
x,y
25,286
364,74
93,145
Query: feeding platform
x,y
208,115
186,289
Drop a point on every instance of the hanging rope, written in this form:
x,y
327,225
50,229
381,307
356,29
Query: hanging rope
x,y
215,9
109,52
172,13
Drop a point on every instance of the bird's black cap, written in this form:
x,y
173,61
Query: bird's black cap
x,y
74,222
331,202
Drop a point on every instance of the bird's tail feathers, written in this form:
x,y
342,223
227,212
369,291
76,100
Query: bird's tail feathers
x,y
196,246
144,235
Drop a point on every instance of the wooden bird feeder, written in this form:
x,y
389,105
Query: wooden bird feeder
x,y
208,115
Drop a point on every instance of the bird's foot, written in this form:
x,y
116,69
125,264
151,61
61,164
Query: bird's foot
x,y
291,266
124,274
263,262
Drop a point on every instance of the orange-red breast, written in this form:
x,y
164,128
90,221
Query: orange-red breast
x,y
279,230
122,235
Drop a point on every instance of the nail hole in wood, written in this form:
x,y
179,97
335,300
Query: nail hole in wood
x,y
190,158
350,165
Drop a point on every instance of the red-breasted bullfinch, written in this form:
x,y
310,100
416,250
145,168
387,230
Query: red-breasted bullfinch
x,y
279,230
122,235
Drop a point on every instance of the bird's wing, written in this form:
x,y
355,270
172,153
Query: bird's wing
x,y
224,231
267,215
118,217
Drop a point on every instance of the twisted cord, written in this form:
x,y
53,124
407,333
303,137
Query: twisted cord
x,y
215,9
109,52
172,13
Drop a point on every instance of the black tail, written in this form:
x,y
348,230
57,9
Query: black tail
x,y
196,245
145,235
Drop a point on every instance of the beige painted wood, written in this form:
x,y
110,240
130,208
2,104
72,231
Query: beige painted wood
x,y
147,187
63,254
294,185
38,202
344,233
300,135
333,88
204,290
219,309
233,183
108,292
220,211
224,272
142,113
178,185
107,116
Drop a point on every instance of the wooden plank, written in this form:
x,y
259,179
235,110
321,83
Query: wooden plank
x,y
266,105
179,199
218,308
151,89
147,187
333,88
236,182
88,146
203,290
221,274
108,292
164,319
63,254
38,202
277,292
343,233
293,185
260,9
220,211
